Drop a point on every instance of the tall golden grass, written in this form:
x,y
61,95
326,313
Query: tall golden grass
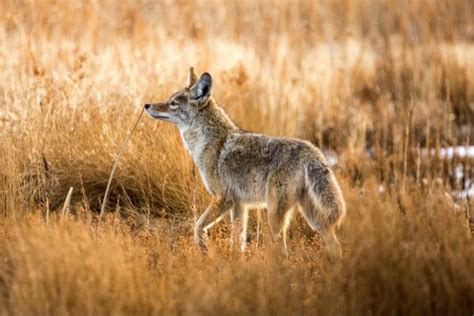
x,y
379,84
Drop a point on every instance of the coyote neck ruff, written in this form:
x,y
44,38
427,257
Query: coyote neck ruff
x,y
240,168
204,138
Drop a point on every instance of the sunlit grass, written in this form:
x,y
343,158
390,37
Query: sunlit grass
x,y
377,84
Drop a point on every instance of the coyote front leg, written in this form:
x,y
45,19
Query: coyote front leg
x,y
218,206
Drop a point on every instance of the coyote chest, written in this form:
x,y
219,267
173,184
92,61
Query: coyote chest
x,y
205,154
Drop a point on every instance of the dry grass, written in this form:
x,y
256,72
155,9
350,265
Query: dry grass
x,y
379,83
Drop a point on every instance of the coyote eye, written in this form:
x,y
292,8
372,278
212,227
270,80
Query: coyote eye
x,y
173,105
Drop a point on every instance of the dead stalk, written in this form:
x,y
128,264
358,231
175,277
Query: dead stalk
x,y
117,158
66,203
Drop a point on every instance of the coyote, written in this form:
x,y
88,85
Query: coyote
x,y
242,169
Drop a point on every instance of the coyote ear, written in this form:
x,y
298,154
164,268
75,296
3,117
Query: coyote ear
x,y
201,91
192,77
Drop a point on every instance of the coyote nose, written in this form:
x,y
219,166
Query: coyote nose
x,y
147,106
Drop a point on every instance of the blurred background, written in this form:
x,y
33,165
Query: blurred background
x,y
384,88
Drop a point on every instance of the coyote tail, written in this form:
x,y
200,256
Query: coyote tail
x,y
323,205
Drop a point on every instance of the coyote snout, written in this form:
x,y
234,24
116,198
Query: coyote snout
x,y
241,169
158,110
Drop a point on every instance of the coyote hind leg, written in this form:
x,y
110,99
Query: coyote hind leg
x,y
332,244
239,219
279,216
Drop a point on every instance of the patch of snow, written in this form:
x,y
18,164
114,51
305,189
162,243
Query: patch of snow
x,y
465,194
381,188
459,172
331,158
454,151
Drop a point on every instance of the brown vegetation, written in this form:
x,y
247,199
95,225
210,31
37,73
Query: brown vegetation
x,y
381,84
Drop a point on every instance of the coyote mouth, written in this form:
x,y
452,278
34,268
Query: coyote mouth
x,y
160,116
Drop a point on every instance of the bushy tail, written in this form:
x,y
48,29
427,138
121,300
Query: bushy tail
x,y
323,204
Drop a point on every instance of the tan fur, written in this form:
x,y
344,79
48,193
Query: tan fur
x,y
241,168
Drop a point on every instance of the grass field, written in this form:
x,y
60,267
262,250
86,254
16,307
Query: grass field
x,y
382,87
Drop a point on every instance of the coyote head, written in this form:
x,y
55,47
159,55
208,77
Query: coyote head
x,y
182,106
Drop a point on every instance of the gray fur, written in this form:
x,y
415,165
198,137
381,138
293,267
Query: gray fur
x,y
240,168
